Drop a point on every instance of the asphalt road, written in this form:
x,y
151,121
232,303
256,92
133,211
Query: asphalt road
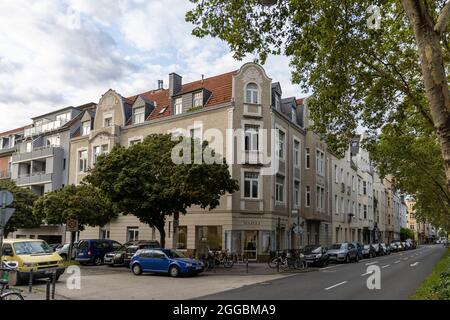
x,y
400,275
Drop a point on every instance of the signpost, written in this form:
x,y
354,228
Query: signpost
x,y
72,227
6,198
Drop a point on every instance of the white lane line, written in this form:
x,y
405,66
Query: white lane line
x,y
405,259
388,265
398,261
336,285
330,267
369,263
414,264
367,273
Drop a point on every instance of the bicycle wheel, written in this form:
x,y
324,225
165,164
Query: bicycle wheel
x,y
11,296
228,263
273,263
284,264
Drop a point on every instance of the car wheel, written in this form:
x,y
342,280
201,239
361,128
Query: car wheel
x,y
174,271
64,256
98,261
137,270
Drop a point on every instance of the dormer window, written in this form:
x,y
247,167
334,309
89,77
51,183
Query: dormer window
x,y
138,115
108,122
277,102
85,128
178,106
197,100
294,115
251,93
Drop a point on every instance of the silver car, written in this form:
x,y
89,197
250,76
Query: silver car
x,y
63,250
343,252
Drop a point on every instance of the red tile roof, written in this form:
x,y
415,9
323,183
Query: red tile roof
x,y
220,87
13,131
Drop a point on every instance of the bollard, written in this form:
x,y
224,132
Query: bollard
x,y
30,281
47,290
53,285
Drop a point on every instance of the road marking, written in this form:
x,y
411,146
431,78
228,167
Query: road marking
x,y
388,265
369,263
367,273
398,261
405,259
414,264
336,285
330,267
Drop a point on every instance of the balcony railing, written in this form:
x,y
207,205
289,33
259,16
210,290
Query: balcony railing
x,y
5,175
46,127
39,152
34,178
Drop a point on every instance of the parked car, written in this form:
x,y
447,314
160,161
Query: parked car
x,y
122,256
54,246
164,261
32,254
359,249
94,250
386,248
378,249
63,250
343,252
397,246
316,255
369,251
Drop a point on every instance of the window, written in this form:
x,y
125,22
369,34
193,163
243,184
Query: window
x,y
280,144
197,100
138,115
251,93
348,180
320,197
82,161
296,153
308,196
307,158
365,211
364,187
251,185
65,117
108,122
353,183
182,237
178,106
53,141
294,115
342,205
99,150
29,146
196,133
104,234
132,233
348,206
359,186
359,211
297,194
336,174
85,128
320,162
251,137
336,204
279,189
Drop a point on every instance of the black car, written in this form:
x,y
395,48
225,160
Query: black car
x,y
369,251
316,255
123,255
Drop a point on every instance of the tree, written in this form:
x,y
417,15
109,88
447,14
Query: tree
x,y
23,217
360,74
406,233
84,203
143,180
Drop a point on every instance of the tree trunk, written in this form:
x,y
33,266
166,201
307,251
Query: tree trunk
x,y
433,73
162,235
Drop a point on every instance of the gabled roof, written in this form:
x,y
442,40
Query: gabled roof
x,y
14,131
220,87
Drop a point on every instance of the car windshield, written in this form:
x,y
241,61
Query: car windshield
x,y
174,254
312,249
338,246
32,247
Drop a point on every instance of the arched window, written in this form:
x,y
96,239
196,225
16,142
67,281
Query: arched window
x,y
251,93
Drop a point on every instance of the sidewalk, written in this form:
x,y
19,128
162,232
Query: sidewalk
x,y
254,268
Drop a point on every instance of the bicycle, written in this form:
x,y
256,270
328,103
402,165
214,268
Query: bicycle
x,y
5,292
287,259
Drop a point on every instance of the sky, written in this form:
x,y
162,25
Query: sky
x,y
59,53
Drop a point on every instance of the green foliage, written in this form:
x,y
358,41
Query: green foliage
x,y
406,233
84,203
193,109
144,181
23,203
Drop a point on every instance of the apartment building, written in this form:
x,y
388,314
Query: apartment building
x,y
346,223
380,208
424,232
40,161
269,212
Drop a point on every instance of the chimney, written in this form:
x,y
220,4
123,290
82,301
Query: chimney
x,y
175,83
160,84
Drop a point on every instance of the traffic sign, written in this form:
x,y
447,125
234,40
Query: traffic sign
x,y
6,198
72,225
5,215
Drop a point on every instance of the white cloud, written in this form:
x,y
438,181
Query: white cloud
x,y
68,52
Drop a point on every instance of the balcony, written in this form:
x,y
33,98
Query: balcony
x,y
46,127
37,153
252,110
34,178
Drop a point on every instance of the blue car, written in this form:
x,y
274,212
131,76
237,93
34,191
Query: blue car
x,y
94,250
164,261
